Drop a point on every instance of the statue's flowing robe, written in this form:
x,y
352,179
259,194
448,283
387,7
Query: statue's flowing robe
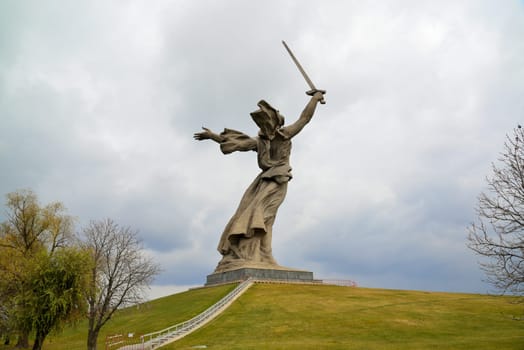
x,y
247,236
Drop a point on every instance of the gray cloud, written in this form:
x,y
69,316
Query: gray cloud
x,y
98,103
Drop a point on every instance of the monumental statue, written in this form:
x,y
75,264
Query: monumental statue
x,y
246,239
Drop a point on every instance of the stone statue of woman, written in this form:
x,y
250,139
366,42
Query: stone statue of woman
x,y
246,240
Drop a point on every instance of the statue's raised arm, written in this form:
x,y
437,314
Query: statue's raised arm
x,y
293,129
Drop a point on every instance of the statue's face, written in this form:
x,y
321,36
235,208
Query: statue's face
x,y
267,119
266,124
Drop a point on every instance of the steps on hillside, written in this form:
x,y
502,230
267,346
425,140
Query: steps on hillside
x,y
170,334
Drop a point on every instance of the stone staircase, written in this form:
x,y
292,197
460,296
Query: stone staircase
x,y
167,335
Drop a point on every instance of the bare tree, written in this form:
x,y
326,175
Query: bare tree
x,y
498,234
120,273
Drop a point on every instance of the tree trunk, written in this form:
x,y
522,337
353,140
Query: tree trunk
x,y
23,340
39,341
92,337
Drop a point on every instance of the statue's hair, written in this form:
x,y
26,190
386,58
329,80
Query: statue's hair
x,y
267,113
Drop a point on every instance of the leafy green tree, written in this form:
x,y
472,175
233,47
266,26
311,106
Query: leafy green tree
x,y
30,226
14,275
57,284
29,231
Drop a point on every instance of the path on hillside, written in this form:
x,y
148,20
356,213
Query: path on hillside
x,y
167,335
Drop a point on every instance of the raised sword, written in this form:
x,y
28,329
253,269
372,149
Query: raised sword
x,y
304,74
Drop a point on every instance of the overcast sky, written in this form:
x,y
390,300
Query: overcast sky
x,y
99,101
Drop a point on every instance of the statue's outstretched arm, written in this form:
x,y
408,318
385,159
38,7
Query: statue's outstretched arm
x,y
208,135
307,114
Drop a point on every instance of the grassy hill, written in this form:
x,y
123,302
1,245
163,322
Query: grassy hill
x,y
148,317
331,317
282,316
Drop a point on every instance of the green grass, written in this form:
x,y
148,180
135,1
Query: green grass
x,y
148,317
281,316
331,317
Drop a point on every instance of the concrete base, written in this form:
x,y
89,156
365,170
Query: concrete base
x,y
261,274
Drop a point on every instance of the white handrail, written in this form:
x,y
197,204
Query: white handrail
x,y
155,339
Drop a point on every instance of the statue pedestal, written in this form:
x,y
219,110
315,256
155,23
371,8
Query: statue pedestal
x,y
241,274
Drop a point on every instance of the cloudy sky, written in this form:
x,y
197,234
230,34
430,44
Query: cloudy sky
x,y
99,101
